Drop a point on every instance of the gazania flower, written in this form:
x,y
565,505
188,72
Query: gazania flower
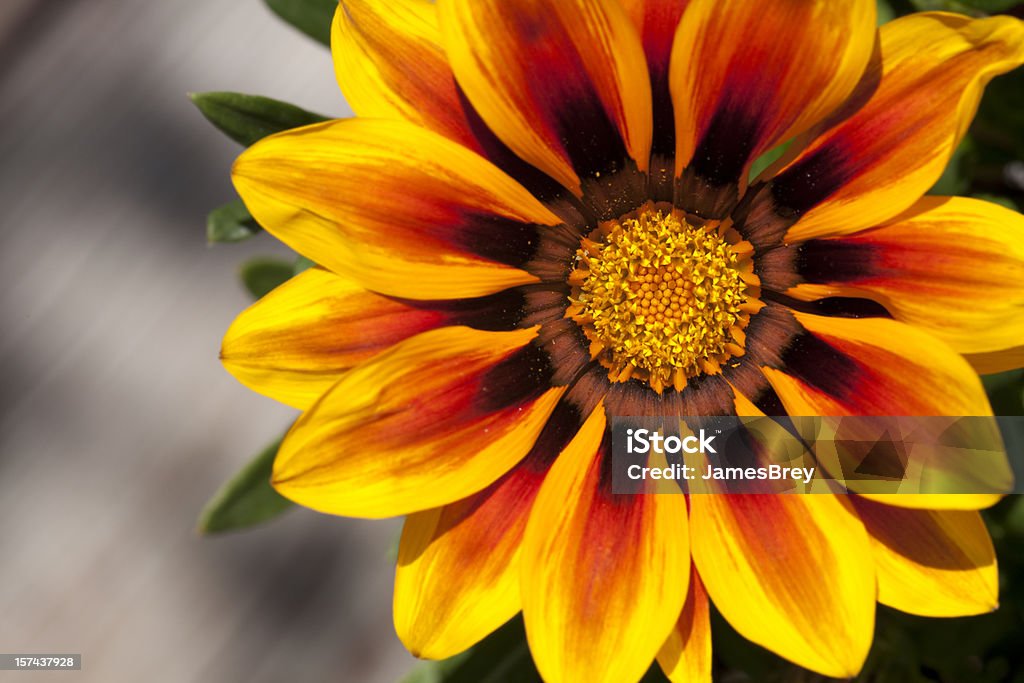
x,y
541,218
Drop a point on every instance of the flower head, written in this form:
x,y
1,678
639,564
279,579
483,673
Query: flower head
x,y
542,218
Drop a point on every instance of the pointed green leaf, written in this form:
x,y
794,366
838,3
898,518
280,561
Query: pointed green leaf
x,y
248,118
230,223
975,7
261,275
247,499
767,159
302,263
312,17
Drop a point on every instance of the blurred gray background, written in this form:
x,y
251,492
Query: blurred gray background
x,y
116,419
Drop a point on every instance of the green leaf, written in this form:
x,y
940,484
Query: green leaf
x,y
767,159
262,275
230,223
886,12
302,263
312,17
975,7
996,199
246,499
248,118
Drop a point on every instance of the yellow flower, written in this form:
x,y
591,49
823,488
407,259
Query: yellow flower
x,y
541,218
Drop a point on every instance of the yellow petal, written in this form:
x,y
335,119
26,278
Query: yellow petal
x,y
604,576
438,417
390,64
686,655
949,265
562,82
929,562
747,76
458,566
399,209
295,343
891,141
789,572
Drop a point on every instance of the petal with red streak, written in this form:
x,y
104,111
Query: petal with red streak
x,y
401,210
437,418
902,124
562,82
949,265
747,76
878,366
593,559
458,565
792,573
936,563
390,63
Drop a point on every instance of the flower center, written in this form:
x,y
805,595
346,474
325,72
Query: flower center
x,y
662,299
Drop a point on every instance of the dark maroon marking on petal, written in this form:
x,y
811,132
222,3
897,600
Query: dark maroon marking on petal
x,y
590,387
833,306
836,260
568,416
768,210
703,395
521,377
573,113
709,186
658,34
492,237
696,196
812,180
661,178
615,192
757,219
544,305
818,364
542,186
509,309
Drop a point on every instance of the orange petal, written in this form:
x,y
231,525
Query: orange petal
x,y
295,343
562,82
931,562
604,576
949,265
873,366
747,76
905,119
792,573
656,20
458,566
390,64
686,655
401,210
438,417
878,366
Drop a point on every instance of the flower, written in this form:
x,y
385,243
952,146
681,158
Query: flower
x,y
540,218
